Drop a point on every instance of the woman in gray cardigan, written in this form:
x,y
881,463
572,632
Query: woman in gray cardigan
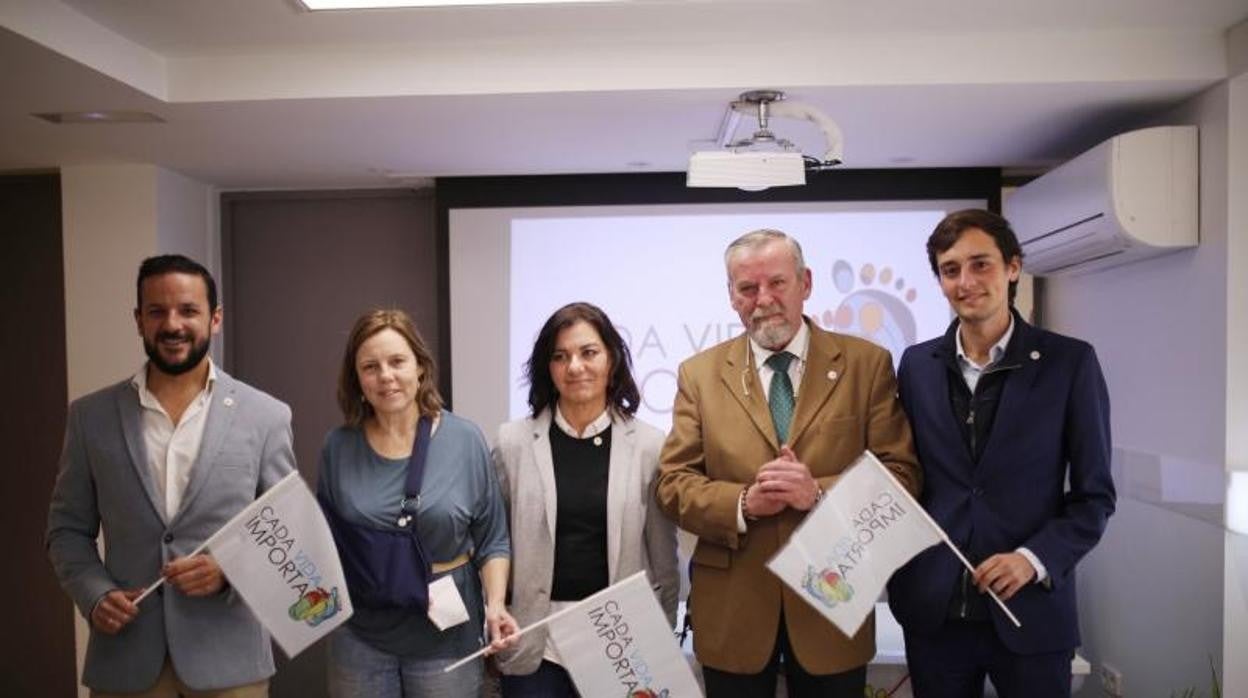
x,y
578,480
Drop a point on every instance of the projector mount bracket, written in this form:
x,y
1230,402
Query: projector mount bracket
x,y
759,100
769,104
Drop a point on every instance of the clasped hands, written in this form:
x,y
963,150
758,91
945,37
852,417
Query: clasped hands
x,y
780,483
198,575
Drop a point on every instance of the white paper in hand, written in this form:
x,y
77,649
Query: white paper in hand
x,y
446,606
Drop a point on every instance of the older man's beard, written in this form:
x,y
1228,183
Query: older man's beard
x,y
776,333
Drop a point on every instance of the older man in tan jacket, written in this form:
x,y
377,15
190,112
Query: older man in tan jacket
x,y
762,425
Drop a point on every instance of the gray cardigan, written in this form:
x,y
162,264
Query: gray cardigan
x,y
639,537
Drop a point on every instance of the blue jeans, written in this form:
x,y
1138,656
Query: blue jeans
x,y
358,670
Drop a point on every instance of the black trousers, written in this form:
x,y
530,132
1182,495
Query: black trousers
x,y
549,681
954,662
725,684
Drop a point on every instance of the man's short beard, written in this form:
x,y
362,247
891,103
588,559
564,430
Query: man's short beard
x,y
198,351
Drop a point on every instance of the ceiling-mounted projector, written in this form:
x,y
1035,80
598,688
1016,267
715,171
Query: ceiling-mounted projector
x,y
762,160
746,169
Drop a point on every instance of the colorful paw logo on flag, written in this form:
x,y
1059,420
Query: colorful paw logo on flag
x,y
315,606
827,586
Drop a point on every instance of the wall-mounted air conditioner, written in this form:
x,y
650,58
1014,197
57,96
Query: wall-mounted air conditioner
x,y
1129,198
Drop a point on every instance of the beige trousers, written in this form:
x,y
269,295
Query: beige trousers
x,y
168,685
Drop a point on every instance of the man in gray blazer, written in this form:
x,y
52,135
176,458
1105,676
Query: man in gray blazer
x,y
160,461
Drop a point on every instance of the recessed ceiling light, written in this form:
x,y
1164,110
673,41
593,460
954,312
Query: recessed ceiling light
x,y
100,117
315,5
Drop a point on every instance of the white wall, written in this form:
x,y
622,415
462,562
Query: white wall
x,y
1235,638
183,213
1151,593
187,223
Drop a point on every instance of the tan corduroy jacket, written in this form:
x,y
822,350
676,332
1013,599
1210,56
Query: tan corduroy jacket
x,y
721,434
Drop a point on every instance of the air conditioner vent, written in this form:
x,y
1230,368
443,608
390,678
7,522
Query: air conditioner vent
x,y
1129,198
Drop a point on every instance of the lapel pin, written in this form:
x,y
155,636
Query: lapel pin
x,y
228,402
832,375
1035,355
597,440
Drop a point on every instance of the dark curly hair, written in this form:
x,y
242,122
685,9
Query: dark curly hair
x,y
622,393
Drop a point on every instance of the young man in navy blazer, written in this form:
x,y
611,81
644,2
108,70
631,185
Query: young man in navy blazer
x,y
1003,414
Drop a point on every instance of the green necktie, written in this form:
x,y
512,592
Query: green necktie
x,y
780,397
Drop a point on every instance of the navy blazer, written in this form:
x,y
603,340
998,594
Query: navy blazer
x,y
1052,420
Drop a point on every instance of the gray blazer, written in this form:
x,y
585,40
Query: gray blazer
x,y
103,481
639,537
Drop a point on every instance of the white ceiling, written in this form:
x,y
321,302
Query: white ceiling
x,y
257,93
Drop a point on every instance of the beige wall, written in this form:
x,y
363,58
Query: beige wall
x,y
114,216
109,225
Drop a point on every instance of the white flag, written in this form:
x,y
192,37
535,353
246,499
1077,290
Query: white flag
x,y
280,557
617,643
841,556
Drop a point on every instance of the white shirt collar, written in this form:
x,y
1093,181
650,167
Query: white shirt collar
x,y
994,354
594,428
139,380
796,346
172,449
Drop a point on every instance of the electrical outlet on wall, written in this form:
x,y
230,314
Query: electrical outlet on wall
x,y
1111,680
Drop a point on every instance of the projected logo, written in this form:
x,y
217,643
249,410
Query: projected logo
x,y
877,306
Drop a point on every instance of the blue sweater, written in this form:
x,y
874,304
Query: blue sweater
x,y
461,511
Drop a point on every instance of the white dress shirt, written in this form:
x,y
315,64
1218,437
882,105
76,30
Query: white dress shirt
x,y
171,449
796,346
971,371
594,428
